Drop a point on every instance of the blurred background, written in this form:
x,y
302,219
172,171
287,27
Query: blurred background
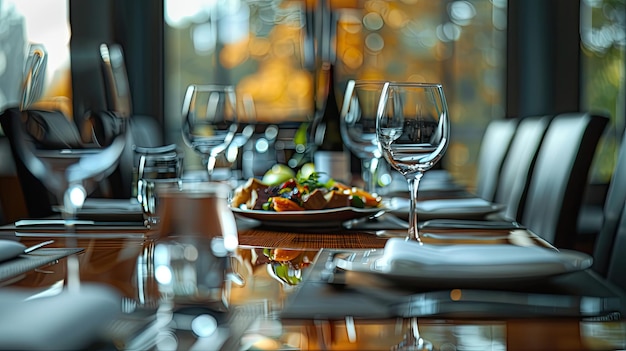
x,y
495,58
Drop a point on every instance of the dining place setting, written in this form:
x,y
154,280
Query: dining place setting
x,y
416,247
445,254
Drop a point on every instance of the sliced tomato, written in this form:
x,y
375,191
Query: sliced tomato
x,y
282,204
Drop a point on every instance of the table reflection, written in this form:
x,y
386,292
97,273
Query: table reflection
x,y
267,277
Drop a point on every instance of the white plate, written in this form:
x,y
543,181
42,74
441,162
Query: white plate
x,y
329,218
408,263
457,208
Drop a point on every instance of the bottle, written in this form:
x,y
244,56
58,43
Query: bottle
x,y
330,158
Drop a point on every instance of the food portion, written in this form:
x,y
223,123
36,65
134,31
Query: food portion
x,y
301,192
287,265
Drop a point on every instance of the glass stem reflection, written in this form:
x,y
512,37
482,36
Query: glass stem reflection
x,y
413,181
72,201
210,165
368,172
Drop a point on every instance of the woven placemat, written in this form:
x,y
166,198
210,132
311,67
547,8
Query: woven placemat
x,y
27,262
259,237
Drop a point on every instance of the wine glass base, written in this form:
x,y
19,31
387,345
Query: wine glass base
x,y
415,345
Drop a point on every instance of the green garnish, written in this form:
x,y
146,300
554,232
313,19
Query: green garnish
x,y
357,202
312,182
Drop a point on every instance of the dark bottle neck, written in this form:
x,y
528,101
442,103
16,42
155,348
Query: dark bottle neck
x,y
330,119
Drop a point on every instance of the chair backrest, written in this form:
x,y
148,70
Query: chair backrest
x,y
519,163
37,198
143,130
117,87
617,257
493,149
555,191
610,245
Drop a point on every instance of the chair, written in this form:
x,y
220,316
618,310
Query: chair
x,y
617,259
144,131
609,254
519,164
12,205
493,149
38,200
555,191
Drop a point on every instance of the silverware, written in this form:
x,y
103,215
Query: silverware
x,y
45,222
38,246
378,217
470,224
455,236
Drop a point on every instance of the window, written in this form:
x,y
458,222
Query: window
x,y
603,47
471,46
33,21
265,47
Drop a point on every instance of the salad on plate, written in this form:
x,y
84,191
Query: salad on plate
x,y
300,192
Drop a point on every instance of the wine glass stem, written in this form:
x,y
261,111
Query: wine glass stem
x,y
367,174
413,182
69,210
210,165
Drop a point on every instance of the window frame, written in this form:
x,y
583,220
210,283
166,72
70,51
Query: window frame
x,y
543,58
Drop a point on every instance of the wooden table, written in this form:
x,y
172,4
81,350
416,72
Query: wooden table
x,y
122,258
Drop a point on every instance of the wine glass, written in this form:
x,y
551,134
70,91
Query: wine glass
x,y
358,126
413,131
70,163
209,121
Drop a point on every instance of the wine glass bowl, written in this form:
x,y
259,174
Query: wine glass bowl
x,y
209,121
358,126
413,131
69,162
69,171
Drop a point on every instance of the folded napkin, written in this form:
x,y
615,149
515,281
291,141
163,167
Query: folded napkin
x,y
446,204
53,130
10,249
69,320
410,258
455,204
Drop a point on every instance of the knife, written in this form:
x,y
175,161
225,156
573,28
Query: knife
x,y
469,224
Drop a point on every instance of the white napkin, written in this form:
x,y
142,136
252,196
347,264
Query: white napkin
x,y
412,258
10,249
446,204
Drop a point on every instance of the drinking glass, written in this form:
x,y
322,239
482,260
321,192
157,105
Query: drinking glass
x,y
358,126
413,131
161,165
209,121
69,163
198,236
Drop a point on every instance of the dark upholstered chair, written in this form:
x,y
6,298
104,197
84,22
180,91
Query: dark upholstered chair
x,y
609,256
519,164
37,198
560,175
493,149
617,255
144,130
